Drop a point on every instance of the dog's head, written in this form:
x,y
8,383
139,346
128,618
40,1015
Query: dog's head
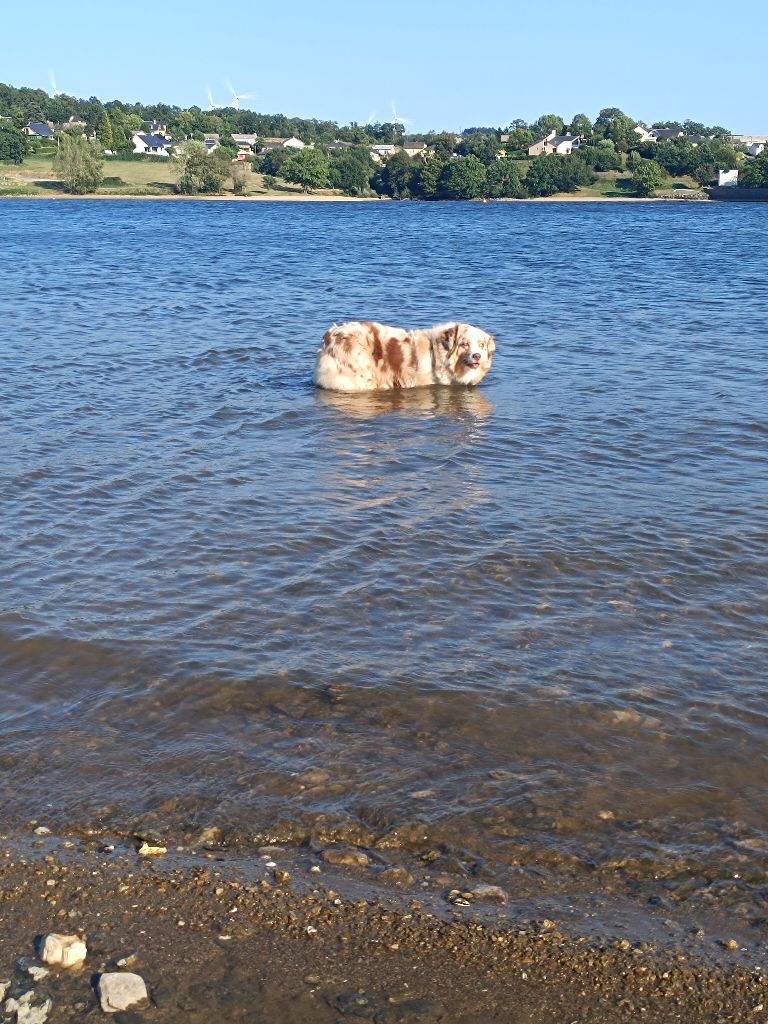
x,y
466,352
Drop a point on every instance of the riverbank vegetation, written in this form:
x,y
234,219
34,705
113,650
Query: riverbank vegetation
x,y
613,155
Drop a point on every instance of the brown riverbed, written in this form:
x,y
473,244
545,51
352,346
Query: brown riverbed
x,y
263,938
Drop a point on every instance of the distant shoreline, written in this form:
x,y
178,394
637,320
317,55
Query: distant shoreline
x,y
310,198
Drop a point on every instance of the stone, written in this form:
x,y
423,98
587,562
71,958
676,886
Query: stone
x,y
26,1012
145,850
396,875
120,991
345,856
4,986
64,950
489,893
37,973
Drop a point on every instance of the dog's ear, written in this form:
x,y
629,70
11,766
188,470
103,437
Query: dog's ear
x,y
451,337
491,343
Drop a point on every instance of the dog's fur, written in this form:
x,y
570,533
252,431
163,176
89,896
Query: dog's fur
x,y
367,356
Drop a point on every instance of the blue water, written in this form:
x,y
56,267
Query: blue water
x,y
541,602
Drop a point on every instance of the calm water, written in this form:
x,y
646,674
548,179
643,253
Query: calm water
x,y
524,623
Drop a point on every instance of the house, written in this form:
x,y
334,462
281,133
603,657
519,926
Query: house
x,y
212,141
727,179
415,148
338,147
666,133
292,143
156,127
36,130
554,143
746,140
245,143
380,154
643,135
755,149
151,145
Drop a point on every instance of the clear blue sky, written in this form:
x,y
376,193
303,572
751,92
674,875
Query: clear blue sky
x,y
445,65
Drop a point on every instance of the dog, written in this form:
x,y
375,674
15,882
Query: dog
x,y
368,356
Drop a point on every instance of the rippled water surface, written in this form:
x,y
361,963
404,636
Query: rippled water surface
x,y
525,622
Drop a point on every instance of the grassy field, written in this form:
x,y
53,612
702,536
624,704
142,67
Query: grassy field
x,y
121,177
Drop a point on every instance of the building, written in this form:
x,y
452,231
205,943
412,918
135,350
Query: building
x,y
728,179
36,130
150,145
554,143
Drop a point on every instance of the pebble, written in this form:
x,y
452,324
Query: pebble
x,y
345,856
145,850
490,893
65,950
4,986
41,830
396,876
129,960
729,944
37,973
120,991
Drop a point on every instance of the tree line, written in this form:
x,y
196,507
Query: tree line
x,y
484,162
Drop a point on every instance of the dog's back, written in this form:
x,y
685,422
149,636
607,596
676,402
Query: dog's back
x,y
364,356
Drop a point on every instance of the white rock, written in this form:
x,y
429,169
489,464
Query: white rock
x,y
25,1012
145,850
65,950
4,986
38,973
120,991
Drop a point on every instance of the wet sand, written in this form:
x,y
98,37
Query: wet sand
x,y
221,936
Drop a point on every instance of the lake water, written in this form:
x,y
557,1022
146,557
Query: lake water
x,y
522,626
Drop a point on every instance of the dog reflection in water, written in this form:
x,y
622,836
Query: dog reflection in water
x,y
448,402
368,356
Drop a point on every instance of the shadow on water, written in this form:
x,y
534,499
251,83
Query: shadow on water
x,y
450,402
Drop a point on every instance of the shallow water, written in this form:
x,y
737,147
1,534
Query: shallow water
x,y
525,622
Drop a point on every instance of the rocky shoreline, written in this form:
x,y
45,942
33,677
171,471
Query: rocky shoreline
x,y
292,936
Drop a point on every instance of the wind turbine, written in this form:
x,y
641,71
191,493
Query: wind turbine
x,y
398,120
235,97
54,91
212,105
370,118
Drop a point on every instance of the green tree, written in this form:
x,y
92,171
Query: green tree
x,y
484,147
601,157
351,172
442,145
546,123
398,177
273,160
199,171
520,139
104,132
550,174
13,144
78,164
502,180
648,177
754,173
308,168
612,123
463,178
580,125
427,181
